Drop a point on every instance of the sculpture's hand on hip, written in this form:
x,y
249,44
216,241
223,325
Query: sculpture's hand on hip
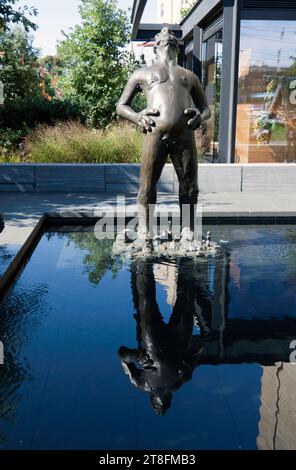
x,y
195,118
145,122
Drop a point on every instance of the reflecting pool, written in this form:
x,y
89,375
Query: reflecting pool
x,y
7,253
158,354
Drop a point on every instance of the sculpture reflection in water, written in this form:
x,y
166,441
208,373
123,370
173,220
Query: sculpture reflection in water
x,y
167,353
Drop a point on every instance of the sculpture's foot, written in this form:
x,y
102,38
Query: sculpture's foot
x,y
144,245
127,243
187,241
187,235
143,234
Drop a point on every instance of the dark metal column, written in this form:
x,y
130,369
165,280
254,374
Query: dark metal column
x,y
231,37
197,51
137,13
181,56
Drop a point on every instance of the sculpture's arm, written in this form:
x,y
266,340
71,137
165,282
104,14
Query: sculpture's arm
x,y
135,375
123,108
200,99
125,111
202,111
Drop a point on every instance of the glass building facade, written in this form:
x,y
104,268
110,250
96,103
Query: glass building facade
x,y
212,48
266,111
244,52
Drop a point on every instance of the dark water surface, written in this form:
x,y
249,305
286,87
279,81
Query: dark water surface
x,y
7,253
182,354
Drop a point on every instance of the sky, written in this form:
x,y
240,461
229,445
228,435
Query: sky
x,y
271,43
56,15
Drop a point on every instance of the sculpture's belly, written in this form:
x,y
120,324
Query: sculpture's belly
x,y
171,103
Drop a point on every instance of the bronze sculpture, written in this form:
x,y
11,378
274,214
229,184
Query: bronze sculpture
x,y
176,106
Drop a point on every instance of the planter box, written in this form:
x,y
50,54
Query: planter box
x,y
125,178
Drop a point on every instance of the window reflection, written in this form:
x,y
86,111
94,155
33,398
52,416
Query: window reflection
x,y
211,77
189,61
266,111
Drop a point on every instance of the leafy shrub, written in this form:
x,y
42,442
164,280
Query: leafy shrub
x,y
17,119
31,111
73,142
9,140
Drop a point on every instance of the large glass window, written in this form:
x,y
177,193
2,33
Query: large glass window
x,y
211,78
188,62
266,109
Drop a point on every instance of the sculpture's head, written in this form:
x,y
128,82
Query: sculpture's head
x,y
161,402
166,40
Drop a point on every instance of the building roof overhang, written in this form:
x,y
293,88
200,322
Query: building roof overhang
x,y
137,13
144,32
147,31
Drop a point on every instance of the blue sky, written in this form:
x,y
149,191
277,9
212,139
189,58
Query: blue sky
x,y
56,15
272,43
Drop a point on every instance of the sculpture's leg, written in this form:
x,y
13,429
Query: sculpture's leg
x,y
153,160
180,324
151,322
185,164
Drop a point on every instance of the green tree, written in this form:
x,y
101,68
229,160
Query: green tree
x,y
53,69
187,8
19,70
98,258
10,14
96,64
